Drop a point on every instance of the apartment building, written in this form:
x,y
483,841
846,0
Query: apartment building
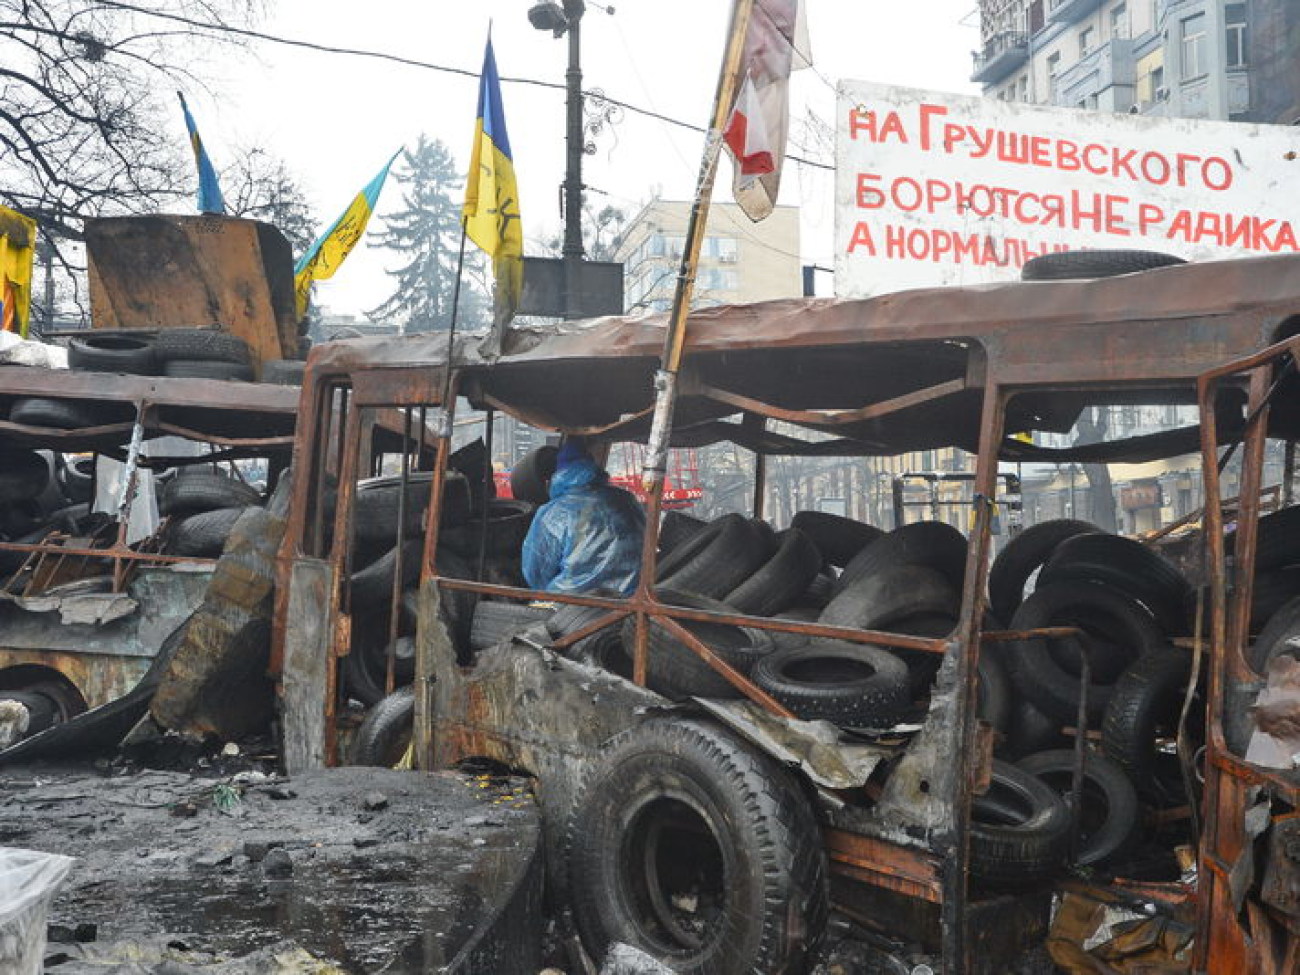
x,y
1211,59
740,260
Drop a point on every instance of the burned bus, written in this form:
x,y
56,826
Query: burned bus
x,y
790,720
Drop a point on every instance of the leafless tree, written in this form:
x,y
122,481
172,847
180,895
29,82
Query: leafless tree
x,y
88,114
260,186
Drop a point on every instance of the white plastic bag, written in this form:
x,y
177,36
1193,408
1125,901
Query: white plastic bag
x,y
29,880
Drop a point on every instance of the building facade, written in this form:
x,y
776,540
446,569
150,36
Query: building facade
x,y
740,260
1211,59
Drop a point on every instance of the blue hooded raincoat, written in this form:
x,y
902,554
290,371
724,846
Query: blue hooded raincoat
x,y
587,537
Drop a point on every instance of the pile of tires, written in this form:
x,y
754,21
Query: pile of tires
x,y
1130,605
388,530
202,504
40,494
188,353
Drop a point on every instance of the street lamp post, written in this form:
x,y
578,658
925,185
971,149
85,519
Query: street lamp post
x,y
548,15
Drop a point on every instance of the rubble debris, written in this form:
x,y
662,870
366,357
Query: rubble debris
x,y
375,801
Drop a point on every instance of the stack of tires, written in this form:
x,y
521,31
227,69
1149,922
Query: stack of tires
x,y
388,535
38,496
203,504
1130,604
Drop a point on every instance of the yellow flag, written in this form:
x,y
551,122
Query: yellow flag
x,y
17,252
492,195
332,247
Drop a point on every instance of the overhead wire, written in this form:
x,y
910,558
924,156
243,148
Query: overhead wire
x,y
218,27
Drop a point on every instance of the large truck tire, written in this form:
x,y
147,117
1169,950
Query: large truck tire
x,y
676,810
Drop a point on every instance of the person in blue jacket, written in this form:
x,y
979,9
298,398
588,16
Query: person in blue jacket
x,y
588,536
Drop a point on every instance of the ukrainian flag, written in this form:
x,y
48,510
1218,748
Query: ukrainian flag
x,y
17,252
491,214
331,248
210,199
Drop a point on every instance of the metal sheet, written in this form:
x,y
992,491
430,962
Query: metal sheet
x,y
306,657
818,747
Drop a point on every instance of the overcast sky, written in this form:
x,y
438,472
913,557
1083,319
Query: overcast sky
x,y
335,119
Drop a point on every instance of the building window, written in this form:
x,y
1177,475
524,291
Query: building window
x,y
1234,15
1119,20
1087,41
720,249
1193,36
1053,65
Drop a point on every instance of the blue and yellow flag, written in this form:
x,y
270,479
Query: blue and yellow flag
x,y
491,213
17,252
210,199
331,248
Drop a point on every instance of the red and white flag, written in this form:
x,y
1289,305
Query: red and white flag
x,y
775,41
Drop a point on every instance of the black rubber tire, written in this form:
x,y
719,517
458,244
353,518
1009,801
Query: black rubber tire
x,y
604,648
673,669
994,698
203,534
1146,705
68,414
131,354
372,587
207,369
77,478
781,580
1040,668
1023,556
201,345
716,560
675,528
1029,731
679,806
283,372
820,591
933,544
365,668
1278,541
853,685
887,595
530,479
199,491
1109,808
1019,829
1082,264
783,641
386,730
24,475
378,502
497,621
1272,589
507,527
1129,567
1273,639
836,537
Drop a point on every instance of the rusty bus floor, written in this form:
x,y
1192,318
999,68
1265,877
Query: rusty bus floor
x,y
364,868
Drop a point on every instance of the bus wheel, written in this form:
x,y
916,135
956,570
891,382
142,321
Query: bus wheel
x,y
699,852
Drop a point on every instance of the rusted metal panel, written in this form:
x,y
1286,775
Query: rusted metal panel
x,y
102,660
884,864
1280,888
194,271
307,665
817,747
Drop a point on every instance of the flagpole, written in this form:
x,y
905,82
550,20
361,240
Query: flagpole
x,y
675,340
656,462
455,307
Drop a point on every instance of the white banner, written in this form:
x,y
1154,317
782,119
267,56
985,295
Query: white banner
x,y
939,189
